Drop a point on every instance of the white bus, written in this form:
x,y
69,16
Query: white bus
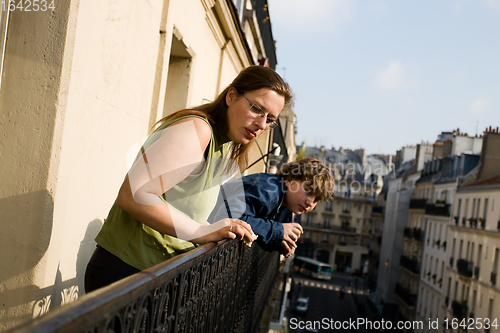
x,y
313,268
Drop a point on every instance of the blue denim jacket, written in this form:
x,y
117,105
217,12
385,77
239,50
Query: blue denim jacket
x,y
255,199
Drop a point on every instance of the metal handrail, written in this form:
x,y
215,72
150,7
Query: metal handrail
x,y
213,288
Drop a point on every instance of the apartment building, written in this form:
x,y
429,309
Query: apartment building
x,y
470,286
345,232
419,288
408,161
434,216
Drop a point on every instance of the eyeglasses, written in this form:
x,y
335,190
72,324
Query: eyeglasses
x,y
259,112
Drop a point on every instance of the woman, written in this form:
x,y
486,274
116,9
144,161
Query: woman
x,y
180,164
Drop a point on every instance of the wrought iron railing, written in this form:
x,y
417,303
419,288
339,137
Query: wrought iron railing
x,y
437,209
418,203
459,309
214,288
418,235
476,272
465,268
405,295
410,264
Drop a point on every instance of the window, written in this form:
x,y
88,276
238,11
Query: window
x,y
309,219
347,207
179,75
478,205
328,206
466,208
325,238
485,209
473,208
444,195
327,222
479,252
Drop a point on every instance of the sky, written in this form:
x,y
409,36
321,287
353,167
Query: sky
x,y
383,74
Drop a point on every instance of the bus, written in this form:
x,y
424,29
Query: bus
x,y
313,268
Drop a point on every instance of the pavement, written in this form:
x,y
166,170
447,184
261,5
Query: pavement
x,y
357,297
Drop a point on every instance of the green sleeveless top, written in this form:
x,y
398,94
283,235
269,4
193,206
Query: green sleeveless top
x,y
141,246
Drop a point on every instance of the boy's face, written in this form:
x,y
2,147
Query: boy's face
x,y
299,198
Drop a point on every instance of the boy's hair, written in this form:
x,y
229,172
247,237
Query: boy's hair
x,y
313,171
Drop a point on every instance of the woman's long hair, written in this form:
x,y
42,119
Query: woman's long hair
x,y
249,79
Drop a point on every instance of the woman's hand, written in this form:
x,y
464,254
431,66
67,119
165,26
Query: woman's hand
x,y
225,228
287,249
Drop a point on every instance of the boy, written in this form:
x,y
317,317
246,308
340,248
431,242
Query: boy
x,y
266,201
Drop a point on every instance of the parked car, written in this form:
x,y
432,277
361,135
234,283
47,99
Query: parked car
x,y
301,305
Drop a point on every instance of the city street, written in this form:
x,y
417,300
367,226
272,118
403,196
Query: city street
x,y
326,307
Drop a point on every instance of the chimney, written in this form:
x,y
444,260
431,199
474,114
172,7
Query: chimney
x,y
420,157
490,155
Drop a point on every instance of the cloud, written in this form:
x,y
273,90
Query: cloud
x,y
478,106
315,16
393,77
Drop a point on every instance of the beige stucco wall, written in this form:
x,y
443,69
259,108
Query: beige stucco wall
x,y
79,87
32,106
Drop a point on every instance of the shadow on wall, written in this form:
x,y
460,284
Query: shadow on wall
x,y
27,222
65,291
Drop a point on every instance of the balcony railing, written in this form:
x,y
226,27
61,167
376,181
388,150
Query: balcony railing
x,y
378,210
459,309
214,288
343,228
411,265
438,209
418,235
476,272
473,223
408,232
465,267
418,203
406,296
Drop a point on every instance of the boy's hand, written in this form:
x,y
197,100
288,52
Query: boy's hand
x,y
292,232
287,249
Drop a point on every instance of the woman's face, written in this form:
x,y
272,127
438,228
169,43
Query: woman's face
x,y
245,124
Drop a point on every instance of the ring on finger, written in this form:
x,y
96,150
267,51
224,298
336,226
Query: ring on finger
x,y
231,227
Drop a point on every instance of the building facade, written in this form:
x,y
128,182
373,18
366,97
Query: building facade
x,y
345,231
470,286
82,82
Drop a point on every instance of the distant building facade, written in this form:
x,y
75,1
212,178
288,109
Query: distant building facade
x,y
345,232
449,256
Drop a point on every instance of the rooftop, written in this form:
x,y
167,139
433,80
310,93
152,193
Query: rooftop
x,y
485,182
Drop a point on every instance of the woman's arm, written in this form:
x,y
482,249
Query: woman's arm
x,y
168,161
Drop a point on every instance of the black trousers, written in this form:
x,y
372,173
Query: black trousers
x,y
105,268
